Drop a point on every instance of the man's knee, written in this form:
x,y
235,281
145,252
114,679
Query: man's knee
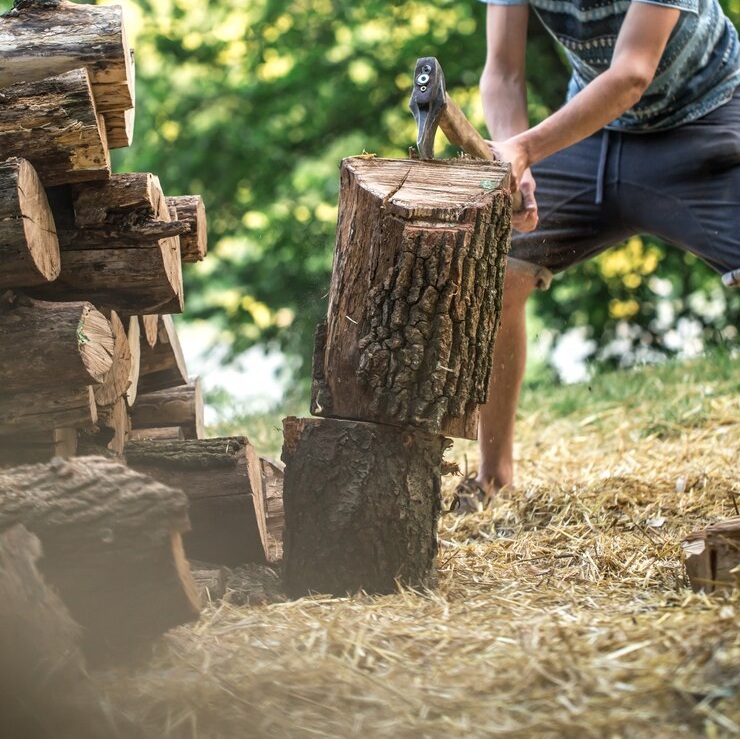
x,y
521,279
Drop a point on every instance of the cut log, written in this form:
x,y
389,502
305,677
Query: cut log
x,y
116,382
119,128
150,327
189,210
52,345
29,248
163,365
38,40
168,433
72,407
177,406
416,293
134,343
273,474
118,247
54,125
112,547
223,482
43,446
362,503
45,691
710,555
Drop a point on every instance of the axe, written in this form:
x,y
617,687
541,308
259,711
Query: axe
x,y
433,107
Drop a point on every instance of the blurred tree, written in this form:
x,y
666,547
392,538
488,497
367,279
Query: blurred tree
x,y
253,104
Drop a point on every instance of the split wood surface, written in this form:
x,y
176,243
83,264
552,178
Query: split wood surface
x,y
416,293
190,211
163,365
29,248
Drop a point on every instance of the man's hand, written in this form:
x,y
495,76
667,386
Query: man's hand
x,y
521,179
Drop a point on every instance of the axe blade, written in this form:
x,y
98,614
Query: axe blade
x,y
428,101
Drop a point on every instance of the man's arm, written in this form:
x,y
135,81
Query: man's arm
x,y
638,50
504,91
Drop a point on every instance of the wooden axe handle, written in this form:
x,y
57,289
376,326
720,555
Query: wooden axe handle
x,y
461,132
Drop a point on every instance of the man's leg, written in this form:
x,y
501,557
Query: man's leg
x,y
498,415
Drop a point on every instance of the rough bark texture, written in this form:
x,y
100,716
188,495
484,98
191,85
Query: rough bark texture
x,y
711,554
48,346
54,125
45,691
112,547
190,211
416,293
41,40
362,503
178,406
163,365
118,247
29,248
223,482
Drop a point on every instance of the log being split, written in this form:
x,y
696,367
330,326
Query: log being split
x,y
41,39
54,125
112,547
29,248
416,293
119,248
361,502
223,482
189,210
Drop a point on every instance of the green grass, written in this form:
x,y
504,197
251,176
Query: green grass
x,y
665,398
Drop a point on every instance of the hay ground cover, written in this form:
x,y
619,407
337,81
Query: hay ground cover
x,y
561,612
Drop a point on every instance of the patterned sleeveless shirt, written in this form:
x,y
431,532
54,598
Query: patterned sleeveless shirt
x,y
697,73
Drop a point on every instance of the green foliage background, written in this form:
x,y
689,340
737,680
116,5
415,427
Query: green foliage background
x,y
253,104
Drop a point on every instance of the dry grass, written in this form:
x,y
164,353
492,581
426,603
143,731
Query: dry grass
x,y
563,612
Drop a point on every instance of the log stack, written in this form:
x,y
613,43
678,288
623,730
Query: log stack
x,y
88,258
402,360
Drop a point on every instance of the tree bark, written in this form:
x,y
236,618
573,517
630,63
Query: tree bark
x,y
45,691
416,293
72,407
52,345
112,547
178,406
189,210
118,246
710,556
41,40
163,365
362,503
223,482
54,125
29,248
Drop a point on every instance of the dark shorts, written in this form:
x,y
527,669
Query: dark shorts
x,y
681,185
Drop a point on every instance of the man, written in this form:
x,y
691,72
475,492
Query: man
x,y
647,142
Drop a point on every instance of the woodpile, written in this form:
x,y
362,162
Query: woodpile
x,y
402,360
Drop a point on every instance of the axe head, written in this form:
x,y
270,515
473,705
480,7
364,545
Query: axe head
x,y
428,101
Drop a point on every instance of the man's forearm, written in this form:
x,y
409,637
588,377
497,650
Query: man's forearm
x,y
504,106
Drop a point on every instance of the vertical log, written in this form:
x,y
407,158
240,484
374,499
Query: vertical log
x,y
416,293
361,502
29,248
